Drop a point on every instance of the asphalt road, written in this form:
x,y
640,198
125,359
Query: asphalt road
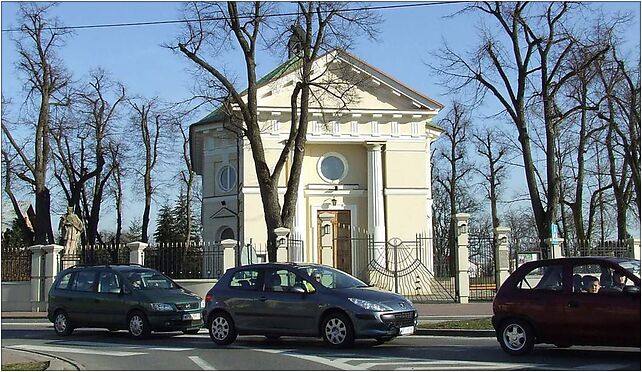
x,y
97,349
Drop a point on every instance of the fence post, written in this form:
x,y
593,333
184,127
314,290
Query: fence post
x,y
37,278
634,248
52,266
137,252
327,235
502,260
281,244
554,247
229,253
462,279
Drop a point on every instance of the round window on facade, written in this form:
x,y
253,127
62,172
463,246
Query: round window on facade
x,y
227,234
333,167
227,178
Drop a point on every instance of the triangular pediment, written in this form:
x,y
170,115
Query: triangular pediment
x,y
339,74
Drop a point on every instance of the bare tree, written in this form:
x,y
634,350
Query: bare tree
x,y
245,24
46,78
146,120
529,71
492,149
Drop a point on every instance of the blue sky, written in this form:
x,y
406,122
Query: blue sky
x,y
408,40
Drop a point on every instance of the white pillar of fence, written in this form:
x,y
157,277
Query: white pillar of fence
x,y
502,260
327,235
555,247
462,281
229,253
137,252
37,278
634,245
281,244
52,266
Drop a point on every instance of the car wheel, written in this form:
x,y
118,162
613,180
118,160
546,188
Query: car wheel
x,y
138,325
516,337
62,324
191,331
222,330
337,330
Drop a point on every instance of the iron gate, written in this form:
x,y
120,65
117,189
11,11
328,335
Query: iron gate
x,y
399,266
481,272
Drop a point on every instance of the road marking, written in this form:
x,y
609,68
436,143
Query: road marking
x,y
201,363
56,349
122,346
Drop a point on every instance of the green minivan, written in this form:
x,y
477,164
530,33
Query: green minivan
x,y
116,297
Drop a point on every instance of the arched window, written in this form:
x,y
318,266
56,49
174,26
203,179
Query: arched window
x,y
227,178
227,233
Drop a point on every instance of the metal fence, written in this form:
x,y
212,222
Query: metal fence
x,y
103,254
16,264
612,248
186,261
481,254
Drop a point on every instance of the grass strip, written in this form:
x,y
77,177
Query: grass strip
x,y
30,366
483,323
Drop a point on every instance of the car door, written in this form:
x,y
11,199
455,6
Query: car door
x,y
80,298
110,304
540,297
288,310
242,297
605,317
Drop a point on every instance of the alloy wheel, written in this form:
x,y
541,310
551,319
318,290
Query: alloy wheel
x,y
220,328
335,331
61,323
136,325
514,337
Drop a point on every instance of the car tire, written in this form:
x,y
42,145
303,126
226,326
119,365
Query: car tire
x,y
337,331
191,331
138,325
62,324
516,337
221,328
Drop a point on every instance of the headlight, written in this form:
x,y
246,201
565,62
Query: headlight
x,y
202,304
369,305
161,307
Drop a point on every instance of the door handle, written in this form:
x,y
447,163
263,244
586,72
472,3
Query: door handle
x,y
262,298
573,304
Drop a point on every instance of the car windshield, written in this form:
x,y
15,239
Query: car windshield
x,y
632,266
332,278
149,280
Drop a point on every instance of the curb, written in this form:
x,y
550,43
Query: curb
x,y
56,363
455,332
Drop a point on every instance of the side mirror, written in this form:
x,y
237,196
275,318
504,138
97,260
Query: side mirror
x,y
299,289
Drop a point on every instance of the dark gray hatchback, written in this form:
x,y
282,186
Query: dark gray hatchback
x,y
287,299
129,297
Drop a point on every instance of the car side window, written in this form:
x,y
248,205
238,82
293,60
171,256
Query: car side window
x,y
64,282
108,282
547,278
84,281
245,279
597,279
285,281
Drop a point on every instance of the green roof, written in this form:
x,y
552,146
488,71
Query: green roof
x,y
279,71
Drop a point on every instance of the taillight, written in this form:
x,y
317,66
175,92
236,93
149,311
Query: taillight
x,y
208,298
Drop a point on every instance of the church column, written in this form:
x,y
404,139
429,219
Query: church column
x,y
376,220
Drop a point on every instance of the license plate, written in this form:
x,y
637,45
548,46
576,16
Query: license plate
x,y
403,331
192,316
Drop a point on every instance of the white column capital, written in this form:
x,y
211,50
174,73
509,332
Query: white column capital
x,y
374,146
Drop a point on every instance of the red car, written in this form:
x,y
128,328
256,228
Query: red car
x,y
569,301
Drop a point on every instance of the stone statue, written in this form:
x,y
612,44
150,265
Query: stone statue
x,y
70,227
